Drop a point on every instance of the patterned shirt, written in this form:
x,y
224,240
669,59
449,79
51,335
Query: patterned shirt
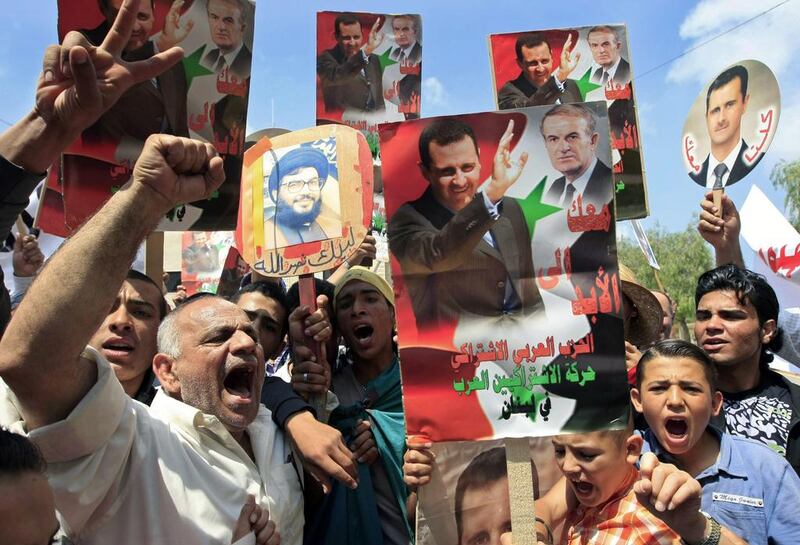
x,y
621,520
762,414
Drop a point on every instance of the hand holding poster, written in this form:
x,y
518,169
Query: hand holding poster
x,y
306,200
558,66
485,264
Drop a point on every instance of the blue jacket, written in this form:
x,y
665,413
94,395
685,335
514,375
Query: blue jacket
x,y
750,490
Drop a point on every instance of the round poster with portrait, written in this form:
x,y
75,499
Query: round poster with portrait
x,y
306,200
731,124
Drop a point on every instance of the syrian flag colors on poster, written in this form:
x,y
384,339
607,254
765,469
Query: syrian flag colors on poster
x,y
777,249
506,328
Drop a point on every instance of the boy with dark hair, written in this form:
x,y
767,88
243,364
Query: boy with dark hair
x,y
750,489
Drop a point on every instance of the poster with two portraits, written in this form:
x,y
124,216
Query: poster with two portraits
x,y
525,66
369,70
204,96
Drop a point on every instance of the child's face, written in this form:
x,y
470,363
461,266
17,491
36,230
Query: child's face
x,y
595,464
676,400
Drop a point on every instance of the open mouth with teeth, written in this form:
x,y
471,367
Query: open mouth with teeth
x,y
582,488
239,382
363,332
676,428
117,349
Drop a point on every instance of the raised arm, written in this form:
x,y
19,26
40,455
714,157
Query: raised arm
x,y
40,353
721,232
78,83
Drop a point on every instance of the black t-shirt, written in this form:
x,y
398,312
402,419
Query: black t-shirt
x,y
762,414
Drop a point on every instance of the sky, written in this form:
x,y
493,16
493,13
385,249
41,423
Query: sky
x,y
457,78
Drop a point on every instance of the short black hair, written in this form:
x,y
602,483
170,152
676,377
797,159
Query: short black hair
x,y
748,286
443,131
677,348
133,274
270,290
725,78
18,454
322,287
346,18
530,39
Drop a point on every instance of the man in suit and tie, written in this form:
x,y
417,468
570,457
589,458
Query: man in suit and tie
x,y
726,103
538,84
408,49
350,73
606,50
570,137
227,22
464,253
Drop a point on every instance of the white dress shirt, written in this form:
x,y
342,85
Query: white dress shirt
x,y
168,474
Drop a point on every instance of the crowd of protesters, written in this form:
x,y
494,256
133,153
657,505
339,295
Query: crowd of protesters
x,y
260,420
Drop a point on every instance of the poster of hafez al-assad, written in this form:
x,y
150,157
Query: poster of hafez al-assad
x,y
204,96
558,66
369,69
504,265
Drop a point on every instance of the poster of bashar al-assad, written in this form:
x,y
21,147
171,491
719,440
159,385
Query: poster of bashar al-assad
x,y
731,124
501,233
203,255
559,66
204,96
306,200
369,69
467,498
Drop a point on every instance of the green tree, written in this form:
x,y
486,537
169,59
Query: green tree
x,y
786,176
683,256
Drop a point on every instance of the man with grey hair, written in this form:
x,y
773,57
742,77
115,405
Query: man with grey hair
x,y
606,49
570,137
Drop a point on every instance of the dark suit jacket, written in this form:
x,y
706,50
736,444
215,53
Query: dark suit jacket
x,y
145,109
520,93
596,192
345,86
739,170
240,67
601,402
415,55
448,268
621,76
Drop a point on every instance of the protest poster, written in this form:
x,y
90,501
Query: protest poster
x,y
306,200
203,255
468,482
507,328
369,70
233,271
644,244
204,97
591,63
731,124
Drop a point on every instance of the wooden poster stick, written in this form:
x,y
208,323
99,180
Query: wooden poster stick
x,y
308,297
717,195
520,491
658,281
154,257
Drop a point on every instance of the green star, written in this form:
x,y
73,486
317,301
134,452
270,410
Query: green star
x,y
585,86
534,209
192,67
385,60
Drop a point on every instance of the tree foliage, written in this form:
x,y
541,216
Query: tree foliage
x,y
682,256
786,176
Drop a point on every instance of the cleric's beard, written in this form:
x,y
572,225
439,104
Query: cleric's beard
x,y
286,216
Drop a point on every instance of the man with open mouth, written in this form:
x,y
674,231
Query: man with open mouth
x,y
369,414
750,489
